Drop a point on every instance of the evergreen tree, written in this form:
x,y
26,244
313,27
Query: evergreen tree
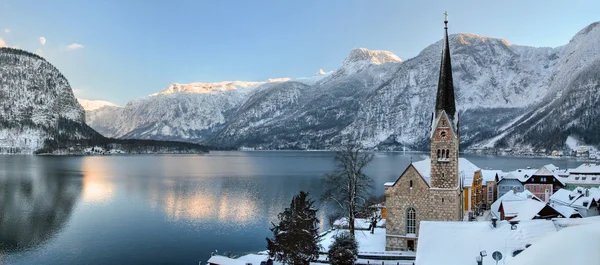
x,y
343,250
296,237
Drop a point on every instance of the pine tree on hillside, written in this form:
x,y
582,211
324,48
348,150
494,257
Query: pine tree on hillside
x,y
296,237
343,250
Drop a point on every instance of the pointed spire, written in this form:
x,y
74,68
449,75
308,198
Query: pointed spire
x,y
445,93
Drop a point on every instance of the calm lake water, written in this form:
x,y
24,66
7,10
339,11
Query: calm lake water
x,y
173,209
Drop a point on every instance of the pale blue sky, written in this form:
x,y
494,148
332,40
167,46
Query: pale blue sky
x,y
135,48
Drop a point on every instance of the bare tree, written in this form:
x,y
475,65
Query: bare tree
x,y
348,186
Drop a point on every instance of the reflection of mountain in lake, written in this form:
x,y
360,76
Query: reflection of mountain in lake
x,y
35,202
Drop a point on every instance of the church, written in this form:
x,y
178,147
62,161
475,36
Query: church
x,y
431,189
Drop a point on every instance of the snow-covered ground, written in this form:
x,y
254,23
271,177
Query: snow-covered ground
x,y
367,243
359,223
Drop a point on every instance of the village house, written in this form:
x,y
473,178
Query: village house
x,y
586,201
490,179
543,183
431,189
586,175
472,187
522,206
513,181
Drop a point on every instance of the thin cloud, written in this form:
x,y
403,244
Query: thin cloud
x,y
2,43
77,91
74,46
43,40
39,52
7,30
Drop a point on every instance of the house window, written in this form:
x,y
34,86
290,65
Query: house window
x,y
438,154
583,178
447,153
411,184
576,178
593,178
411,221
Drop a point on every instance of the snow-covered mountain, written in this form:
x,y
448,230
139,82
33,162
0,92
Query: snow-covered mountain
x,y
37,104
507,96
91,105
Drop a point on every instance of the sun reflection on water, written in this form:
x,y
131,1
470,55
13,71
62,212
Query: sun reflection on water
x,y
97,186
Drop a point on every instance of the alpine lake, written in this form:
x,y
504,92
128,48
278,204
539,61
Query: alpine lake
x,y
169,209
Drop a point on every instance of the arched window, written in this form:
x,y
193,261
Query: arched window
x,y
411,221
439,154
447,153
411,184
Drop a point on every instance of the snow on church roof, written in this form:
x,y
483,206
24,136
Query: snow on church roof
x,y
466,170
473,237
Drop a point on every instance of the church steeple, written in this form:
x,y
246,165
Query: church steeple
x,y
445,93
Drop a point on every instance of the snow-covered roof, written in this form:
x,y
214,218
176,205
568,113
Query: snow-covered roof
x,y
564,210
253,259
466,170
587,168
473,237
511,196
561,223
222,260
521,175
388,184
424,169
548,171
490,175
576,198
582,247
523,209
582,179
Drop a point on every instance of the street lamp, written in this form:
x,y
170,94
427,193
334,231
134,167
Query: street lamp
x,y
479,258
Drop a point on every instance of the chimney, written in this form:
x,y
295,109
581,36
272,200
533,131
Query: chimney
x,y
494,220
546,195
587,192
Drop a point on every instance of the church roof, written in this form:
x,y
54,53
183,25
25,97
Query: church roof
x,y
466,170
445,93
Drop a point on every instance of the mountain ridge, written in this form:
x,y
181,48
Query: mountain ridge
x,y
385,106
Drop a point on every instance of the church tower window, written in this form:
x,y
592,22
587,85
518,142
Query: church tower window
x,y
411,221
